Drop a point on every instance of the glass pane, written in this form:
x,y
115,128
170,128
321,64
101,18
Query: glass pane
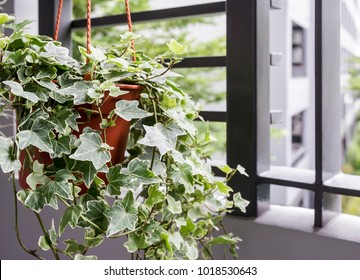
x,y
204,36
217,149
113,7
209,93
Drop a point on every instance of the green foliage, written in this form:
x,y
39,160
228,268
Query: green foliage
x,y
163,198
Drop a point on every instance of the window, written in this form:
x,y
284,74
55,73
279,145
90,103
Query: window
x,y
298,51
247,90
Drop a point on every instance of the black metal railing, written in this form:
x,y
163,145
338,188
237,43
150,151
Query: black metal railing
x,y
247,64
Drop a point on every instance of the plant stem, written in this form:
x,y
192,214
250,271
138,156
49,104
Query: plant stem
x,y
207,250
53,249
30,252
65,253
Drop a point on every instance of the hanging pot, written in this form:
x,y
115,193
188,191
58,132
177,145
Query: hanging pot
x,y
116,136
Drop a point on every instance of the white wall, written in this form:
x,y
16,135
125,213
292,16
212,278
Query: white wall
x,y
28,9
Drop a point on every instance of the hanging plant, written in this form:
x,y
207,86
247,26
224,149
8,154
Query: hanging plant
x,y
163,197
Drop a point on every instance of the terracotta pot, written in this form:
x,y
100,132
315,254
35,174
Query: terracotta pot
x,y
116,136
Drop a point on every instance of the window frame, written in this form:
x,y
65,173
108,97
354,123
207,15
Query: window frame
x,y
247,64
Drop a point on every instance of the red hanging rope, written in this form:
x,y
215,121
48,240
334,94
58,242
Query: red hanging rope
x,y
57,24
129,22
88,25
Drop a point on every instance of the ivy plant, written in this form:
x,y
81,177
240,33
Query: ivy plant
x,y
163,198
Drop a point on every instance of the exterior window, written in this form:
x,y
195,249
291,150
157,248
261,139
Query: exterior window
x,y
297,143
298,51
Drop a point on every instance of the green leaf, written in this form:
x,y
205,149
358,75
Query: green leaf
x,y
117,180
61,119
165,238
188,228
223,240
43,244
123,215
154,196
225,168
92,149
18,90
59,186
164,138
46,72
37,177
240,203
223,188
41,92
173,206
62,146
5,18
73,246
136,242
176,48
71,217
183,174
96,214
139,170
79,91
37,136
8,160
92,240
88,171
128,110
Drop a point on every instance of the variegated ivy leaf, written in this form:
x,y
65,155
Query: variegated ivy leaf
x,y
95,213
92,149
242,170
136,241
117,180
8,160
79,90
240,202
154,196
62,146
123,215
182,120
176,239
84,258
73,247
88,171
139,170
18,90
176,48
41,92
128,110
60,186
57,53
5,18
92,239
43,244
160,136
183,174
37,177
173,205
35,201
61,119
37,136
71,217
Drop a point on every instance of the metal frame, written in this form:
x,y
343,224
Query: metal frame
x,y
248,109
